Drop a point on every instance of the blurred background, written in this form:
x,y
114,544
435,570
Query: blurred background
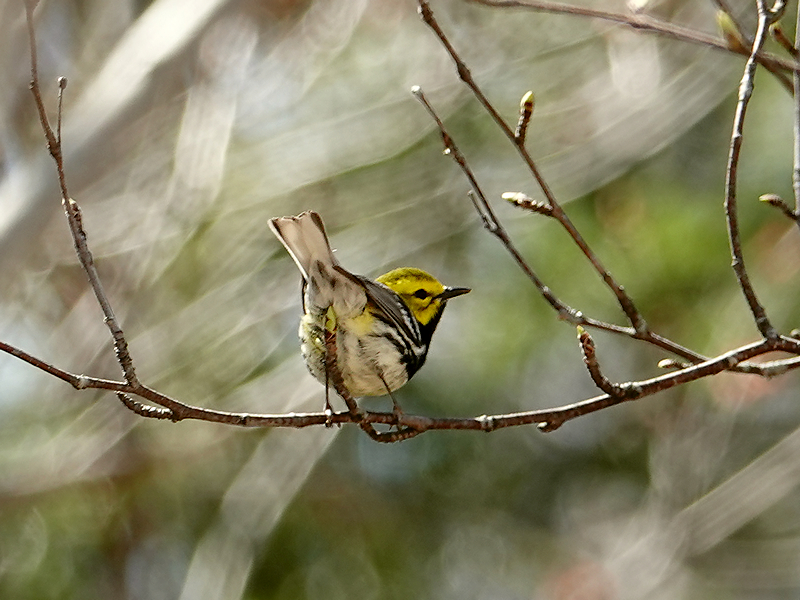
x,y
188,124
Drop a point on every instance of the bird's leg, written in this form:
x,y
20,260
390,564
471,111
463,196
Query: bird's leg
x,y
396,410
328,407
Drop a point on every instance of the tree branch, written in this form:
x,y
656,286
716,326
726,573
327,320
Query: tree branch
x,y
407,425
650,24
796,127
625,302
765,18
71,208
495,227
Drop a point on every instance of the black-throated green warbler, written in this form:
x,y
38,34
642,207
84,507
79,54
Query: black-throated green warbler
x,y
382,328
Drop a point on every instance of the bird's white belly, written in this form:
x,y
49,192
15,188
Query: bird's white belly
x,y
368,364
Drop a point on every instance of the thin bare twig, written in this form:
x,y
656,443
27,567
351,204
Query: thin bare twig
x,y
647,23
765,18
778,202
564,311
62,85
145,410
779,36
725,8
593,366
740,42
525,202
525,114
334,375
796,132
490,220
71,208
626,303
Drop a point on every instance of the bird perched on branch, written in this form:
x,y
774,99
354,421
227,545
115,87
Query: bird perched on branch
x,y
367,336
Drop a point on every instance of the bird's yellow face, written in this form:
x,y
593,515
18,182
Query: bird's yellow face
x,y
423,293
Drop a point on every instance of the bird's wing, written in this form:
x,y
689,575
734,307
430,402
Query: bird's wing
x,y
393,307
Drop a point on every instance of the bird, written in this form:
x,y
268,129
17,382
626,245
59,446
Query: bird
x,y
379,330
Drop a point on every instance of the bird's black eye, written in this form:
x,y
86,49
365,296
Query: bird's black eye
x,y
421,294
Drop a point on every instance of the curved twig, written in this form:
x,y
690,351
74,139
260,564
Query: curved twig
x,y
765,18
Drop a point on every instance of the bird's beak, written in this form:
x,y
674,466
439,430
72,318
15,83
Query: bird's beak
x,y
452,292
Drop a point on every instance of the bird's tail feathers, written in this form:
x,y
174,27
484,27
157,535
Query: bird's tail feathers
x,y
305,238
